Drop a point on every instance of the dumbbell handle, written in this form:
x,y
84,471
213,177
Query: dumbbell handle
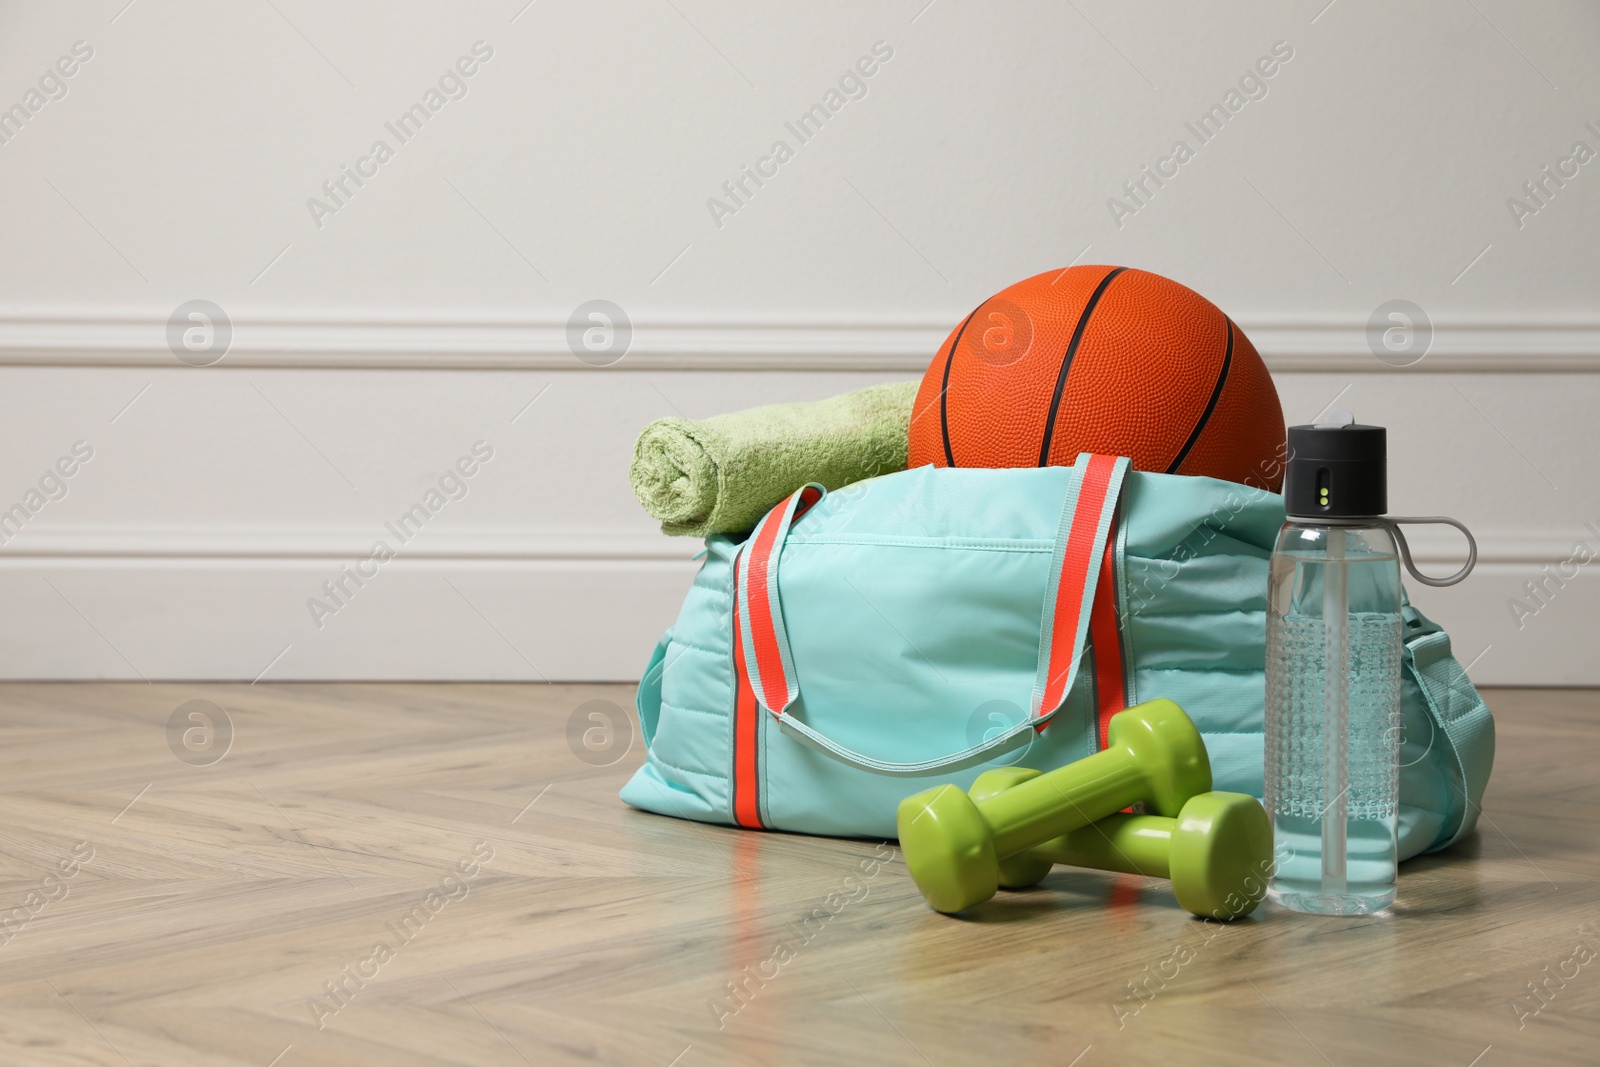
x,y
1132,844
1063,800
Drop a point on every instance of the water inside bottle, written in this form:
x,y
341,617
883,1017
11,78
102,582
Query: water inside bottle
x,y
1297,757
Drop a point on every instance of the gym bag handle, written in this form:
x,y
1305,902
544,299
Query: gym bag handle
x,y
1086,518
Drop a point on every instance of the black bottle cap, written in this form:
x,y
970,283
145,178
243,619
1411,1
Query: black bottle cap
x,y
1337,469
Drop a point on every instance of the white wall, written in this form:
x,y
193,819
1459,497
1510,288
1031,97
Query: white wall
x,y
372,346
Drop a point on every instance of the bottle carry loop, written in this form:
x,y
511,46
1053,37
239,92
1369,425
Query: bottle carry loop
x,y
1393,523
1086,518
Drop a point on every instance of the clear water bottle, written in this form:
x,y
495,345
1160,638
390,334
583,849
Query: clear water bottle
x,y
1333,672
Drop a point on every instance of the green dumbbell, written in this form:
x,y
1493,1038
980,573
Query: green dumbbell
x,y
1217,852
953,846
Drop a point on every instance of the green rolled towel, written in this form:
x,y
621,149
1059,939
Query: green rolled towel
x,y
722,474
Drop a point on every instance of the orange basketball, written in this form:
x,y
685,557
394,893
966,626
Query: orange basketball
x,y
1101,359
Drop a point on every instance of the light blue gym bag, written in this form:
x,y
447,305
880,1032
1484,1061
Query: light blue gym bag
x,y
922,627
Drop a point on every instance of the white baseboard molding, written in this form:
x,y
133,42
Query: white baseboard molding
x,y
248,620
63,541
1553,646
1438,545
384,341
221,617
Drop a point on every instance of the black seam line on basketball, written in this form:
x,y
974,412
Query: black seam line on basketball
x,y
944,388
1211,405
1066,363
